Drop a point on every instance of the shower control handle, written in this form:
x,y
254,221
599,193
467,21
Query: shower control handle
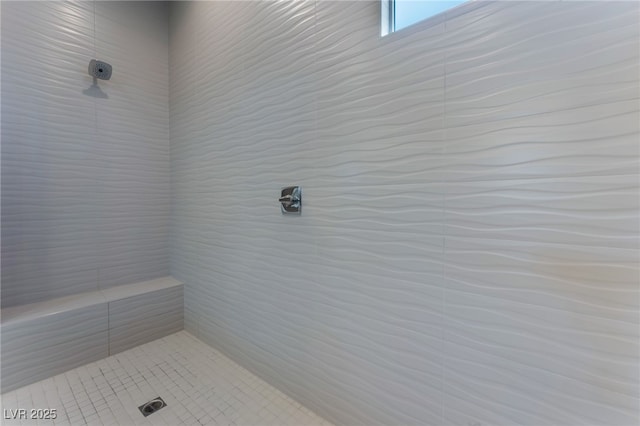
x,y
290,200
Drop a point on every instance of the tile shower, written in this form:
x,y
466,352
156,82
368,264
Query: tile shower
x,y
468,249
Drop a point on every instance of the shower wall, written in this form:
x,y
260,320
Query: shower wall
x,y
467,252
85,169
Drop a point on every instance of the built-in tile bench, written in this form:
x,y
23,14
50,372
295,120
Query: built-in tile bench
x,y
40,340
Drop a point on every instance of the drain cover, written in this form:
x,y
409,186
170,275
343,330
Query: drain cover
x,y
152,406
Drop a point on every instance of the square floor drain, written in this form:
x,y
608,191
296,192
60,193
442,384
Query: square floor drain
x,y
152,406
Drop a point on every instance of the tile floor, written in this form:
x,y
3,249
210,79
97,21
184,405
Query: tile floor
x,y
199,384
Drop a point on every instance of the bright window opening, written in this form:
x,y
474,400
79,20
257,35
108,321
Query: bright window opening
x,y
398,14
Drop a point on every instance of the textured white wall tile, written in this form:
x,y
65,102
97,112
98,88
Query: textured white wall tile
x,y
39,365
133,309
470,206
133,132
538,97
39,348
48,140
85,180
579,211
294,307
541,215
145,330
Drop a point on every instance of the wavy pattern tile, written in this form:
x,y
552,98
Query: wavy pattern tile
x,y
541,216
48,128
37,348
467,252
85,180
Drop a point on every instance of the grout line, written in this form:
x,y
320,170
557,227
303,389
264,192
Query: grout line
x,y
444,228
109,328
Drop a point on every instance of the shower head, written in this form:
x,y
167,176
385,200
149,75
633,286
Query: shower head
x,y
99,69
